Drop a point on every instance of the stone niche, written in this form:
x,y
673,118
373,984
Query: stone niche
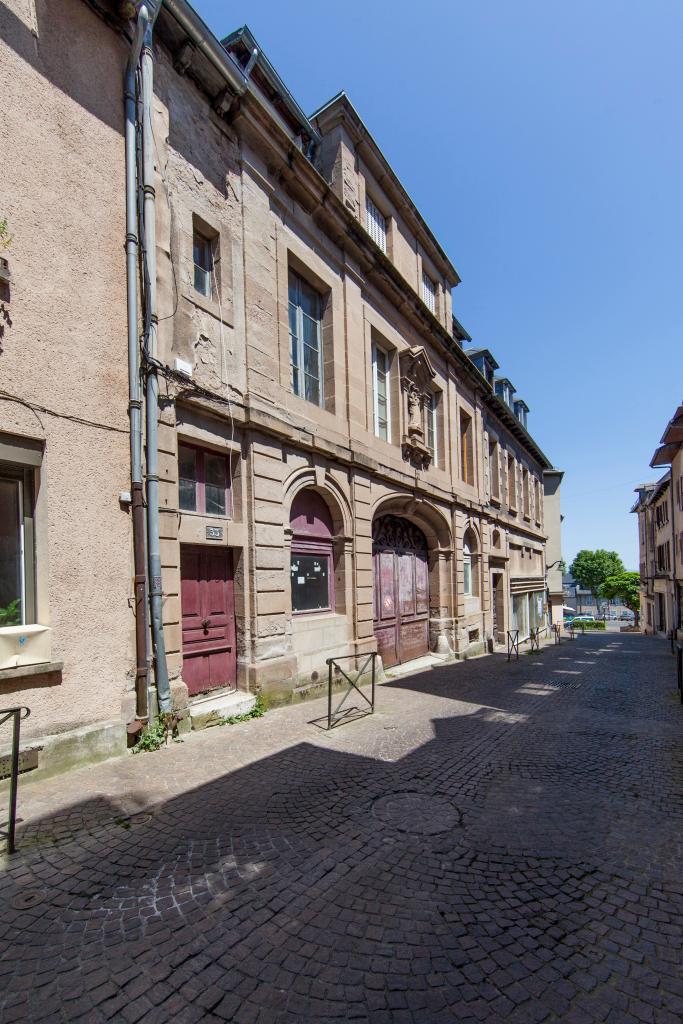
x,y
417,389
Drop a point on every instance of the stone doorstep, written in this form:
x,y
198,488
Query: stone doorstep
x,y
409,668
228,704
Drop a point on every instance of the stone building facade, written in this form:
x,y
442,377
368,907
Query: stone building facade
x,y
660,533
337,475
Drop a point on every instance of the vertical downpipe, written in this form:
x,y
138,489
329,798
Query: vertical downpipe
x,y
152,383
135,398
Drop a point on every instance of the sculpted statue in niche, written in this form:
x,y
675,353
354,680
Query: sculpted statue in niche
x,y
415,403
417,377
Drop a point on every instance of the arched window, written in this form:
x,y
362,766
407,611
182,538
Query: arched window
x,y
312,569
470,557
467,562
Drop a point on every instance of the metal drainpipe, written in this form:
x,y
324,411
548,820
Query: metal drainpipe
x,y
152,383
135,402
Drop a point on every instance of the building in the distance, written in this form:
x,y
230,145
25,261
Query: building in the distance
x,y
667,515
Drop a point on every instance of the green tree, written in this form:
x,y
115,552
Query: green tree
x,y
590,569
625,585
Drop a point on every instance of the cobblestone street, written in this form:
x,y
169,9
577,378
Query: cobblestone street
x,y
497,843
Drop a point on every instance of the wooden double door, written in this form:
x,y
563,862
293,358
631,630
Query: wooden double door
x,y
400,590
208,617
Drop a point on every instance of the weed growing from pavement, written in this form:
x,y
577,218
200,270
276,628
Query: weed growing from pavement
x,y
156,734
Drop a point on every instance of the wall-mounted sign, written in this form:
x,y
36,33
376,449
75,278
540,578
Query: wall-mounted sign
x,y
214,533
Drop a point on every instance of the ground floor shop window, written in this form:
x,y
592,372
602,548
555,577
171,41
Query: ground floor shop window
x,y
311,569
520,614
527,612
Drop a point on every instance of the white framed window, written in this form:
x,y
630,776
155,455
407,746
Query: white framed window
x,y
305,338
17,554
376,224
202,254
428,292
467,569
432,438
381,392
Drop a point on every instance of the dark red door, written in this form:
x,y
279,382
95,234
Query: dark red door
x,y
208,610
400,591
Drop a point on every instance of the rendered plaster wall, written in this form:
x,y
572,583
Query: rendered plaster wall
x,y
64,345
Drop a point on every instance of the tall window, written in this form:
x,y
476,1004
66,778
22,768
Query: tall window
x,y
305,336
17,579
494,472
525,492
377,224
203,484
467,569
432,440
512,484
470,556
311,569
202,252
428,292
537,499
466,448
381,392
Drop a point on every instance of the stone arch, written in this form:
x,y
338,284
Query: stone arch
x,y
423,514
341,530
437,532
329,491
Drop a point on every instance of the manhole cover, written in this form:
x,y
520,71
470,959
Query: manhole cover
x,y
417,812
29,898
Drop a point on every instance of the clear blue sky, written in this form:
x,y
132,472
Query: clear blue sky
x,y
542,143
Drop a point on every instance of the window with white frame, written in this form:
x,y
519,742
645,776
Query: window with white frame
x,y
305,337
17,566
432,439
467,569
381,392
376,224
428,292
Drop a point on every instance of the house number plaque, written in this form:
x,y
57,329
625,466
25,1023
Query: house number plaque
x,y
214,533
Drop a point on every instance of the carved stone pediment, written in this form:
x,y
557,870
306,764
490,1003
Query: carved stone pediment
x,y
416,369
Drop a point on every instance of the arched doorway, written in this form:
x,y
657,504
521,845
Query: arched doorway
x,y
400,590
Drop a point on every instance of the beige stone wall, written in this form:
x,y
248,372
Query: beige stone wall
x,y
64,345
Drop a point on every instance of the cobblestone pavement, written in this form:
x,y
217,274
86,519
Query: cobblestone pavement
x,y
496,843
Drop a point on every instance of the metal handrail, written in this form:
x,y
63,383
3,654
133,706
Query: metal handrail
x,y
16,715
333,717
557,631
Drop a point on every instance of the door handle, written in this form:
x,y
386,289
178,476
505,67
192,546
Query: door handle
x,y
205,625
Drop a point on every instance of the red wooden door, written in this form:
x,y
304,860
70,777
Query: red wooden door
x,y
400,591
208,618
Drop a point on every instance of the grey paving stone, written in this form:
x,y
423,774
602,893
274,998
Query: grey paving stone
x,y
494,844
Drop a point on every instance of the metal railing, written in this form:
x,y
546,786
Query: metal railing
x,y
535,640
557,632
16,714
341,713
513,643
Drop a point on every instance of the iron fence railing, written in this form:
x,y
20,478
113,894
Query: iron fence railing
x,y
16,714
343,712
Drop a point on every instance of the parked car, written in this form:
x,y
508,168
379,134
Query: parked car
x,y
583,618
